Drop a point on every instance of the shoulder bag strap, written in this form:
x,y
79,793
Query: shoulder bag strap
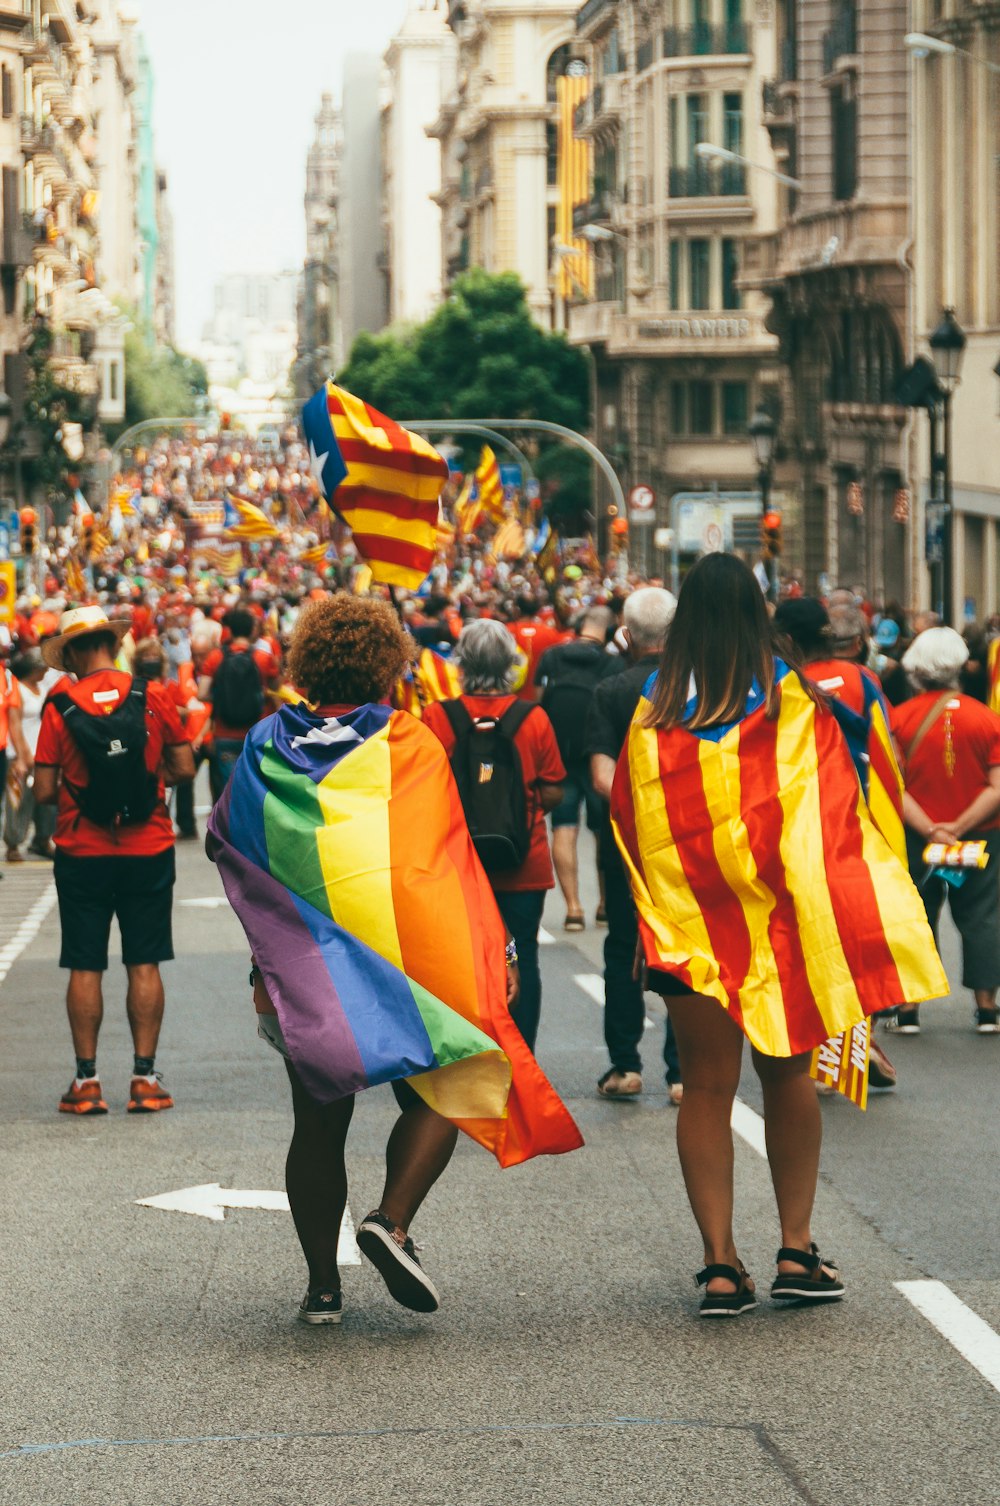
x,y
936,711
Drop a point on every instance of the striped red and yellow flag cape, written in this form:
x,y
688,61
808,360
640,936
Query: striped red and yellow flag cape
x,y
993,675
491,493
389,497
760,878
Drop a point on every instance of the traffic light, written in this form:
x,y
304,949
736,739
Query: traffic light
x,y
770,534
87,531
28,521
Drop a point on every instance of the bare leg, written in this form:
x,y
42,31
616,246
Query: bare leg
x,y
564,842
419,1149
986,998
793,1130
144,1003
85,1007
316,1180
710,1044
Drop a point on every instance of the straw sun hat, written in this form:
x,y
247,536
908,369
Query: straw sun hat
x,y
81,622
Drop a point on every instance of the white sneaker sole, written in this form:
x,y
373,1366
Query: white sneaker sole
x,y
317,1318
404,1278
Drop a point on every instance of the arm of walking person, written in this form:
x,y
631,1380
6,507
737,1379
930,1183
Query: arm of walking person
x,y
917,819
178,763
24,759
602,774
982,809
46,784
549,795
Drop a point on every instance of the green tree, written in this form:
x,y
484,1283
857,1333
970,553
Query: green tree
x,y
479,355
160,382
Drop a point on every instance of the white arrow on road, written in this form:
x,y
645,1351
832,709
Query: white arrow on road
x,y
210,902
210,1201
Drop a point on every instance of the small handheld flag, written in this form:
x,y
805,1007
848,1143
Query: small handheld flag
x,y
383,481
491,492
242,520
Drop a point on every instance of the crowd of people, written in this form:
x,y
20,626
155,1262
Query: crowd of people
x,y
526,703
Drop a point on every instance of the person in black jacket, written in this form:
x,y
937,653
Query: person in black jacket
x,y
569,673
648,613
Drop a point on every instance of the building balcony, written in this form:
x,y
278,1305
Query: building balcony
x,y
484,181
591,323
18,243
840,43
696,333
600,209
724,180
13,16
74,374
36,137
592,11
602,106
848,235
705,40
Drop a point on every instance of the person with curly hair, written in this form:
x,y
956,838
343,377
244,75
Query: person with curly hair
x,y
378,951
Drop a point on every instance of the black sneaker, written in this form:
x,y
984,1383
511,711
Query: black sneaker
x,y
988,1021
321,1307
904,1022
396,1261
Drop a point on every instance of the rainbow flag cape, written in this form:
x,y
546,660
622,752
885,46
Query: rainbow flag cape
x,y
761,879
344,851
383,480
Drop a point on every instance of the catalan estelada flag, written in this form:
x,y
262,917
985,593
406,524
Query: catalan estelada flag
x,y
491,492
432,678
383,480
345,853
858,704
993,675
760,879
243,520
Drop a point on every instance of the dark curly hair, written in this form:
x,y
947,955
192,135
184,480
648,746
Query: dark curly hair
x,y
347,650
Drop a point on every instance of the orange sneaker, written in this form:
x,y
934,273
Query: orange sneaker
x,y
148,1095
83,1097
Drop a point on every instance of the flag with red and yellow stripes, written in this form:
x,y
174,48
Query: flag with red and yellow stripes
x,y
993,675
383,480
491,492
432,678
760,878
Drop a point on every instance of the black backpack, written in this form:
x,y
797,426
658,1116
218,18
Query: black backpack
x,y
237,692
488,772
120,790
566,701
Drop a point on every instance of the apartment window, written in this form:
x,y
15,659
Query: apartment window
x,y
551,154
6,92
732,123
612,58
735,408
113,381
699,278
678,407
844,131
697,125
732,298
675,274
701,404
674,130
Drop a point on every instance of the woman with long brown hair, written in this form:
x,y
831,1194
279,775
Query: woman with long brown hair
x,y
762,886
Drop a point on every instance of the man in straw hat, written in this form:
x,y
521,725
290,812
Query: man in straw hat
x,y
107,746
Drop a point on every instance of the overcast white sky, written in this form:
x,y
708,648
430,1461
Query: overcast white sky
x,y
237,84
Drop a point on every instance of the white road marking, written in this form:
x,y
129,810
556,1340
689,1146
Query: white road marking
x,y
545,938
593,986
210,1201
975,1340
27,930
203,810
209,902
749,1125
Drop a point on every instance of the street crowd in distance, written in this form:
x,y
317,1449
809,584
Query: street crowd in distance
x,y
219,615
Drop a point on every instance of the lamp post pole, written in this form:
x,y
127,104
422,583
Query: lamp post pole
x,y
947,345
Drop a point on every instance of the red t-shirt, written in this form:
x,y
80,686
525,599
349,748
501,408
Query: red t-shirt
x,y
952,764
540,762
267,667
103,692
842,680
533,638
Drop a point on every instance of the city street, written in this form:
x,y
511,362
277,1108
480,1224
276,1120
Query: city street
x,y
157,1357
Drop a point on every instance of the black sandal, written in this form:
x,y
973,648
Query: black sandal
x,y
814,1284
726,1304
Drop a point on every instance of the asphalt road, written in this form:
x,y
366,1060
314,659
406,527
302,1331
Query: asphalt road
x,y
152,1358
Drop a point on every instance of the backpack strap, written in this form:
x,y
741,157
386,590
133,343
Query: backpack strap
x,y
460,721
936,711
515,717
63,703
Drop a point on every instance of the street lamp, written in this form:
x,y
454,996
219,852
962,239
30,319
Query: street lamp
x,y
710,153
947,345
920,45
763,431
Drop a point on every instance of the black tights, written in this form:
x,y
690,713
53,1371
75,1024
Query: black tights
x,y
419,1148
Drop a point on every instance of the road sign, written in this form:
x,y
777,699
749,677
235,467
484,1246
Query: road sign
x,y
663,538
704,527
8,590
642,499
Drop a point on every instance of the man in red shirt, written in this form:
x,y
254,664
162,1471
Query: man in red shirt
x,y
237,697
485,655
114,843
533,637
949,747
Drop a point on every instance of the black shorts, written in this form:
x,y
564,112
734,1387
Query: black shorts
x,y
139,891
